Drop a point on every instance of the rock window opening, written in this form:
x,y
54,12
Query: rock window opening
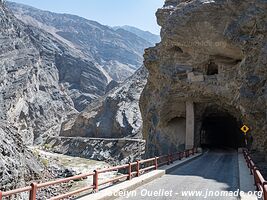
x,y
176,49
212,69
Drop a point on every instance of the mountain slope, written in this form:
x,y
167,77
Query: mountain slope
x,y
118,52
146,35
13,155
42,79
115,115
20,67
46,78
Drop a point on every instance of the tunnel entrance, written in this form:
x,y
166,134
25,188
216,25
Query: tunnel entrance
x,y
221,130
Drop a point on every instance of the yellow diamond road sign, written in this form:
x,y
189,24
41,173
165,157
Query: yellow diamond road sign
x,y
245,129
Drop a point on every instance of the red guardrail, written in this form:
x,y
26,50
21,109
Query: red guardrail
x,y
259,181
133,169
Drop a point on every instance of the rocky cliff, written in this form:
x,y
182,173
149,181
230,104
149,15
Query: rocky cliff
x,y
212,53
30,93
42,79
117,52
109,128
45,79
115,115
17,163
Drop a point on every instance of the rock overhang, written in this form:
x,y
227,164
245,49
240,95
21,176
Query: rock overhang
x,y
206,56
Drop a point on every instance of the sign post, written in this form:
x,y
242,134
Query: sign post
x,y
245,129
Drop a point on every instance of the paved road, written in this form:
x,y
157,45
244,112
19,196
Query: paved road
x,y
214,172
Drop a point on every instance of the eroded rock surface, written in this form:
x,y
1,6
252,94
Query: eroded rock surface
x,y
115,115
38,80
44,80
212,53
17,163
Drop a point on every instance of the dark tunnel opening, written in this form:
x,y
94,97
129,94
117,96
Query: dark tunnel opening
x,y
221,131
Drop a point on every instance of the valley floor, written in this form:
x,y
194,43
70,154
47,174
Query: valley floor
x,y
64,166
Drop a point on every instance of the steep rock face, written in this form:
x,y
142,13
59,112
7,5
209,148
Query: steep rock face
x,y
27,88
42,79
212,53
78,72
17,164
112,84
118,52
115,115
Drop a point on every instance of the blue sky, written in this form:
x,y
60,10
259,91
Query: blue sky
x,y
138,13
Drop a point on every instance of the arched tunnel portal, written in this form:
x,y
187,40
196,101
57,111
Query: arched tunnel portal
x,y
221,130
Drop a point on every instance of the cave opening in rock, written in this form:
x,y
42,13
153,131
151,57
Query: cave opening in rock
x,y
221,130
212,69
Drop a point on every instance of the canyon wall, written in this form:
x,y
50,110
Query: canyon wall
x,y
213,54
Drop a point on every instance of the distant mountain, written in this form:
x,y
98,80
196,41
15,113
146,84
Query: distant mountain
x,y
118,53
146,35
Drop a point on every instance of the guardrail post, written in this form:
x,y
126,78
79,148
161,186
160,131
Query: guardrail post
x,y
33,191
156,163
138,168
248,162
95,180
129,171
264,190
180,156
250,167
255,176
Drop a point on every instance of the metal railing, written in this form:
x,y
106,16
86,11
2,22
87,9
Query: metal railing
x,y
134,169
259,181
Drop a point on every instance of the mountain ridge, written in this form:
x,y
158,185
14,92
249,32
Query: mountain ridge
x,y
119,53
151,37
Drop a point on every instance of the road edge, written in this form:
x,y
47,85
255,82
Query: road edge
x,y
112,193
